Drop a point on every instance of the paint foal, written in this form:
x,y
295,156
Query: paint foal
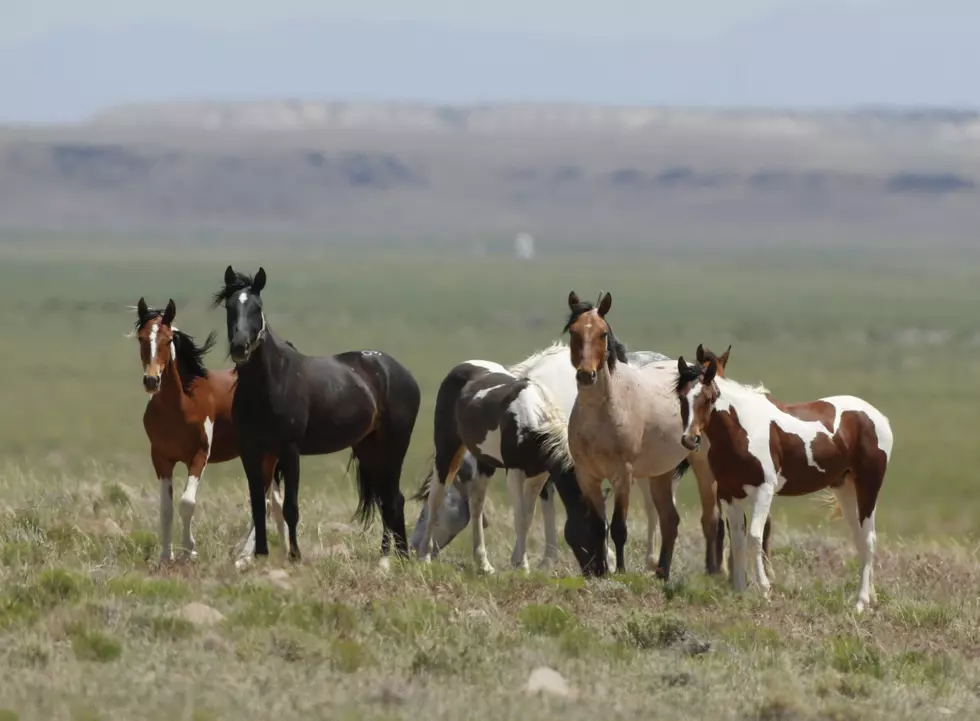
x,y
760,448
187,419
704,357
288,404
504,422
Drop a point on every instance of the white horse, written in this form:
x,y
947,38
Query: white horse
x,y
552,369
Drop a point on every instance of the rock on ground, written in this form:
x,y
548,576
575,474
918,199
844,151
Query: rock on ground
x,y
200,614
547,680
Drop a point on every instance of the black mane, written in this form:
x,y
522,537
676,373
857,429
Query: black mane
x,y
615,349
190,356
693,372
241,282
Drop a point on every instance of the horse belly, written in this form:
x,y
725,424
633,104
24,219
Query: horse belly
x,y
334,431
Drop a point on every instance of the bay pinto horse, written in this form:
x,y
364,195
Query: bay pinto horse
x,y
288,404
621,427
503,421
760,448
551,368
704,357
187,418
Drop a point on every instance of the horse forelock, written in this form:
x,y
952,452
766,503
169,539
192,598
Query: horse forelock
x,y
615,348
242,282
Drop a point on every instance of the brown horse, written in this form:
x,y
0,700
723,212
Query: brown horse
x,y
704,357
760,448
622,426
187,419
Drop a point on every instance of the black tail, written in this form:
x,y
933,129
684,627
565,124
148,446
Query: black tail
x,y
279,476
681,469
368,501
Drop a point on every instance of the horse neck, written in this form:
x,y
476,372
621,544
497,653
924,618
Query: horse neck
x,y
264,361
601,395
171,386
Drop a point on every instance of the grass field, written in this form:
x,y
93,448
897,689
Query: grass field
x,y
91,628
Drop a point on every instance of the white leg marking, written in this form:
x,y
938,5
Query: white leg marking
x,y
550,532
436,492
653,522
275,510
864,540
166,518
478,494
515,485
760,502
188,500
736,524
248,549
532,487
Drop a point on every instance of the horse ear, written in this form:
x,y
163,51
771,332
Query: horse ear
x,y
723,359
170,313
229,276
709,374
700,353
605,305
141,308
259,283
681,366
573,299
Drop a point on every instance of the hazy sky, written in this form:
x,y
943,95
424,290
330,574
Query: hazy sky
x,y
560,18
61,60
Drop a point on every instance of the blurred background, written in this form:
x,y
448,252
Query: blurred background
x,y
796,178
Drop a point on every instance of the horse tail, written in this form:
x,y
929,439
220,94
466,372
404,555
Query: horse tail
x,y
279,476
828,500
367,496
422,493
681,469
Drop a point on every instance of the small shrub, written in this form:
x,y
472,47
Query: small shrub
x,y
95,646
545,619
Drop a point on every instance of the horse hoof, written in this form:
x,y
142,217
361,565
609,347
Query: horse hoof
x,y
188,556
546,564
242,563
486,569
661,573
167,557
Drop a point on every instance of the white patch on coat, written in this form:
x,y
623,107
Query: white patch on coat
x,y
242,297
154,330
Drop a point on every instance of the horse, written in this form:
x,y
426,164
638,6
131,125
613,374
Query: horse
x,y
704,357
502,421
621,427
288,404
187,418
551,368
761,448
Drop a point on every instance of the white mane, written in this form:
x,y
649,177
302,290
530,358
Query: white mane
x,y
734,390
523,368
553,425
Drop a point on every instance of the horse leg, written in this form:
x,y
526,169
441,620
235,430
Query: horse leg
x,y
532,487
253,463
289,464
854,504
767,548
761,502
595,520
710,517
736,527
188,502
446,467
621,510
652,521
276,500
478,494
164,469
515,487
550,527
662,489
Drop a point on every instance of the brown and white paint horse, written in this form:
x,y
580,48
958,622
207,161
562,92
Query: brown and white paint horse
x,y
187,419
704,357
760,448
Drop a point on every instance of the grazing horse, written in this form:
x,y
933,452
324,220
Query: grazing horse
x,y
760,448
187,419
551,368
288,405
704,357
503,421
621,428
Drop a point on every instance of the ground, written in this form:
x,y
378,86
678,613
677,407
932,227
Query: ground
x,y
92,627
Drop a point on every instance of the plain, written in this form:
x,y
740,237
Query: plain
x,y
91,628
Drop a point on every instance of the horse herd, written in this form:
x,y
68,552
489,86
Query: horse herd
x,y
564,420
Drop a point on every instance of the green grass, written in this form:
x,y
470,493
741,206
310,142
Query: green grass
x,y
90,626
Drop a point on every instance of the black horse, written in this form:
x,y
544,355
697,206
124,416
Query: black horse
x,y
288,405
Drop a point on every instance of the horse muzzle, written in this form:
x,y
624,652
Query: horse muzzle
x,y
151,384
585,378
691,443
